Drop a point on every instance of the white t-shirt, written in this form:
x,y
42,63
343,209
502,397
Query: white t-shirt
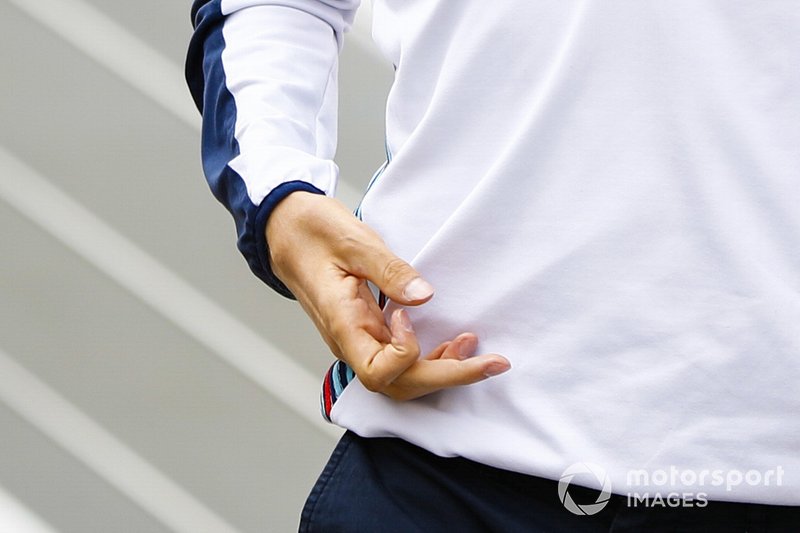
x,y
608,194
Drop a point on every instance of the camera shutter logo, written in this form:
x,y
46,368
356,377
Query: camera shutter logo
x,y
584,469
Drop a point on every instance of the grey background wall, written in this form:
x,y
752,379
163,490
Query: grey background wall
x,y
148,382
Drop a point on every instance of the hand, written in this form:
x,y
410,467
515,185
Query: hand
x,y
325,256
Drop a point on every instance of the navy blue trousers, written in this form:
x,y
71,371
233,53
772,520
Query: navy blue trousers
x,y
388,485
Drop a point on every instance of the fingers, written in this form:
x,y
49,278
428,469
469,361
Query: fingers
x,y
394,358
427,376
451,364
461,347
327,275
380,331
347,318
394,277
396,370
331,235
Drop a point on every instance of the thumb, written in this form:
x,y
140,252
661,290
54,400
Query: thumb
x,y
398,280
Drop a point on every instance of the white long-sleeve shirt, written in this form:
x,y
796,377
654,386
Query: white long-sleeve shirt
x,y
606,192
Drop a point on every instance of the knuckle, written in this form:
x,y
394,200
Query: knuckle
x,y
372,385
372,382
394,268
406,352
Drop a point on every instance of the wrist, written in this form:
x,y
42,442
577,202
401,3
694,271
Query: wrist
x,y
264,214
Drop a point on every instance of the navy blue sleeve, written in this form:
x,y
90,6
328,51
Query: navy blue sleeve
x,y
206,79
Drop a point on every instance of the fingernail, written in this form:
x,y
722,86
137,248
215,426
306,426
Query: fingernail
x,y
404,321
496,368
417,289
466,347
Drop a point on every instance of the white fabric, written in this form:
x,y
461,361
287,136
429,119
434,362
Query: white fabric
x,y
338,14
608,194
281,68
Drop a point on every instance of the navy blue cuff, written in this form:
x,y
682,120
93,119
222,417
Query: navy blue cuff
x,y
262,247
